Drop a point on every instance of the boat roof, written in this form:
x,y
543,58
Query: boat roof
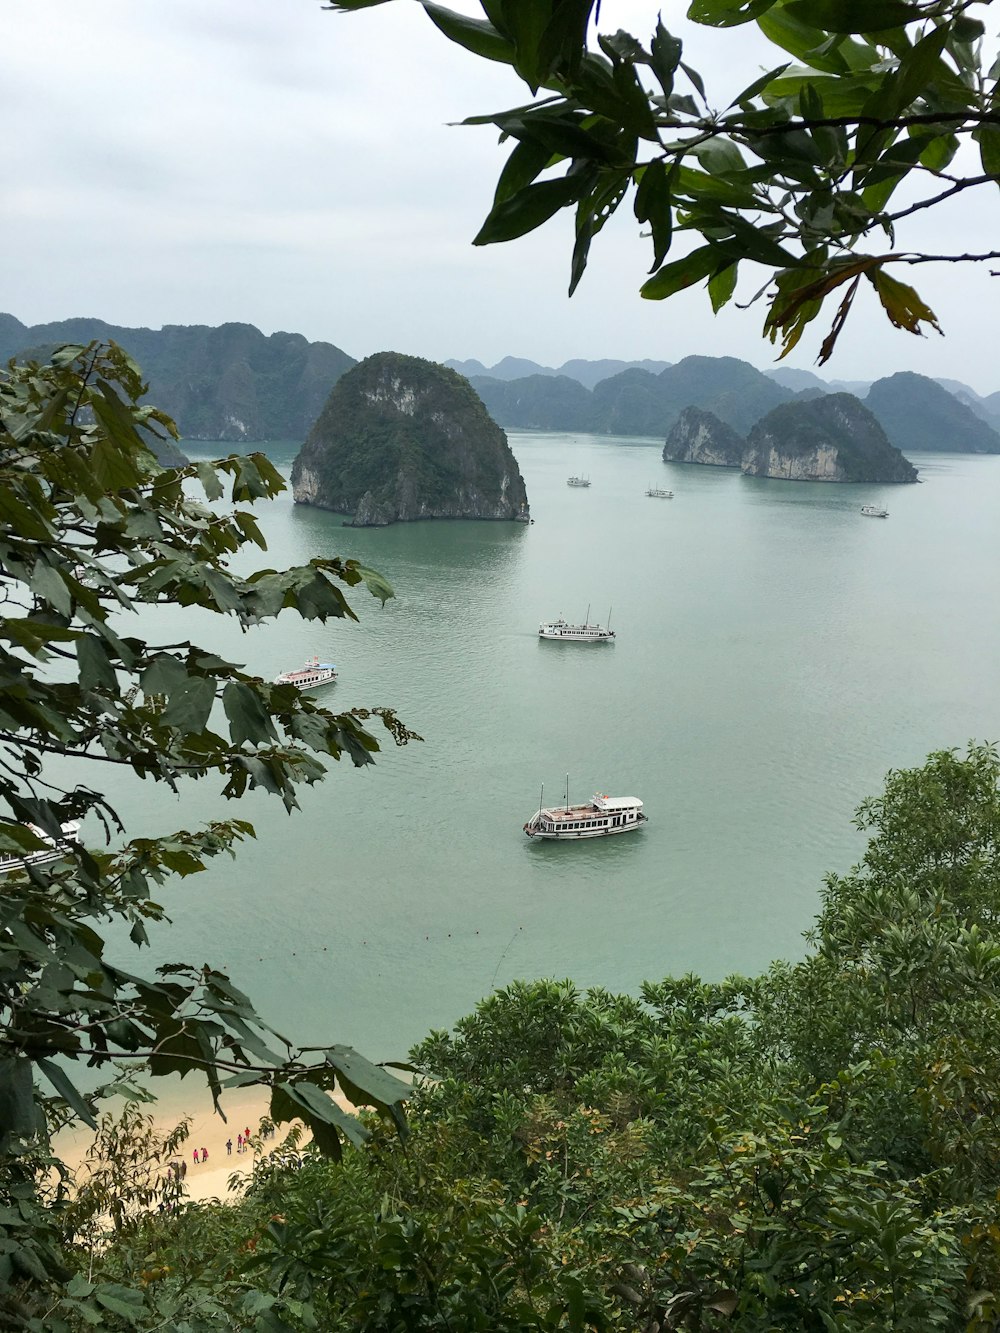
x,y
600,803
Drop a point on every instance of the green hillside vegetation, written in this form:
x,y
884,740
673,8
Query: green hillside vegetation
x,y
814,1148
218,383
402,438
537,402
917,413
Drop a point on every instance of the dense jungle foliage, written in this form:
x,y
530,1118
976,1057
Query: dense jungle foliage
x,y
814,1148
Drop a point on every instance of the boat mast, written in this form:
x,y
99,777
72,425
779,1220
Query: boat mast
x,y
609,617
567,793
541,801
586,622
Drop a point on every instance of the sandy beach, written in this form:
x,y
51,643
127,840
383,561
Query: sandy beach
x,y
244,1108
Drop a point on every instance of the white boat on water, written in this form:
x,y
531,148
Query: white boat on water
x,y
601,817
577,481
309,676
658,493
585,633
52,851
874,511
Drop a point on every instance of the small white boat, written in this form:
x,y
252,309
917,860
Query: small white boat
x,y
874,511
577,481
601,817
658,493
52,851
309,676
585,633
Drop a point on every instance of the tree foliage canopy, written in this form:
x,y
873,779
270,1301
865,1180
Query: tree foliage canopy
x,y
94,535
875,112
814,1148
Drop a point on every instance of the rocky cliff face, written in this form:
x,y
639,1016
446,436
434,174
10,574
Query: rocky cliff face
x,y
700,437
833,438
401,439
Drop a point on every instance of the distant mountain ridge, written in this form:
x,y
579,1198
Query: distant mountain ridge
x,y
916,412
634,401
587,373
230,382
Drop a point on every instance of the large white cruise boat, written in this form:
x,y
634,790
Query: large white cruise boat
x,y
585,633
577,481
874,511
600,818
309,676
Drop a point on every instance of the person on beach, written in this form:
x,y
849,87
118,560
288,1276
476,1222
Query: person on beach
x,y
204,1154
195,1156
239,1142
184,1168
229,1147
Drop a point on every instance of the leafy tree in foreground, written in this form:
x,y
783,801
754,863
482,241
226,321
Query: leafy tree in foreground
x,y
813,1149
93,530
876,111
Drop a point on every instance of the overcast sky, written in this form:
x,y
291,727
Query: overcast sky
x,y
201,161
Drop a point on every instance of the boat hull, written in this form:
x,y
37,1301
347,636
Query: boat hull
x,y
564,835
578,636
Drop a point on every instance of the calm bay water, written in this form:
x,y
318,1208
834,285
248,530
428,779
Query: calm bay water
x,y
777,653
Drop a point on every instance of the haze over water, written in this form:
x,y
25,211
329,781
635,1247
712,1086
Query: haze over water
x,y
777,653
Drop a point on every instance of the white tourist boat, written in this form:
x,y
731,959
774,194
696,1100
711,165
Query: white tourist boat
x,y
874,511
585,633
577,481
309,676
658,493
52,851
599,818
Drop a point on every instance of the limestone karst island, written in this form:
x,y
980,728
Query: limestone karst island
x,y
401,438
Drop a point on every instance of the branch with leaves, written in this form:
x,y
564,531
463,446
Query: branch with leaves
x,y
793,174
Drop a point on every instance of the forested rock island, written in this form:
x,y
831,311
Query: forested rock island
x,y
401,438
832,438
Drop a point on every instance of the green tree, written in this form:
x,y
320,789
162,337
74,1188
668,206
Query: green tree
x,y
875,112
93,530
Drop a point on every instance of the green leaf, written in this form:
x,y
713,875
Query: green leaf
x,y
18,1112
528,160
683,273
94,664
988,139
190,705
853,16
721,286
758,86
727,13
306,1102
67,1091
209,479
249,720
654,204
475,35
364,1078
528,209
120,1300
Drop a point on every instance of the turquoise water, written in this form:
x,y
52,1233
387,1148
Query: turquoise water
x,y
777,653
